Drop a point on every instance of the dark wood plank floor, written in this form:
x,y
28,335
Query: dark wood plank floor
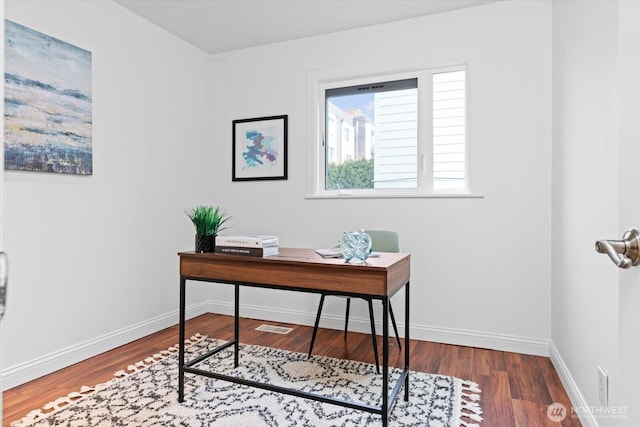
x,y
516,389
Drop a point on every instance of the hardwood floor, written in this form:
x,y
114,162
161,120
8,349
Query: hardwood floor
x,y
516,389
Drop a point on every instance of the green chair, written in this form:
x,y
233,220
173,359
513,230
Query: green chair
x,y
382,241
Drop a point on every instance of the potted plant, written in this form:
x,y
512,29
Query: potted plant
x,y
208,222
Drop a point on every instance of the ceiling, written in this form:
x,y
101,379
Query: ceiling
x,y
220,25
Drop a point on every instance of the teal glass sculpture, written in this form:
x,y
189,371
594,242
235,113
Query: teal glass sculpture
x,y
355,245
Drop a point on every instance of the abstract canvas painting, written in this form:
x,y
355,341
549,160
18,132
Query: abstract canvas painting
x,y
48,117
260,148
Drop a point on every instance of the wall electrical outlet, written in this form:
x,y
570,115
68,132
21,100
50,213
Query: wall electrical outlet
x,y
603,387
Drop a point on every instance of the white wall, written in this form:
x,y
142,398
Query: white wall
x,y
481,267
91,268
592,301
626,395
93,259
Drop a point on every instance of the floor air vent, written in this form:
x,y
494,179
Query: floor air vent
x,y
274,329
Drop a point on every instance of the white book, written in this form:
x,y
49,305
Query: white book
x,y
251,241
329,253
337,253
247,250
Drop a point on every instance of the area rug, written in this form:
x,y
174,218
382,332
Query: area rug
x,y
146,394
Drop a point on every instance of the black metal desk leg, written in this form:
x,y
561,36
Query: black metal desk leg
x,y
236,325
385,361
406,340
181,338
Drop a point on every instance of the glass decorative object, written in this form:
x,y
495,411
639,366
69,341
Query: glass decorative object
x,y
355,245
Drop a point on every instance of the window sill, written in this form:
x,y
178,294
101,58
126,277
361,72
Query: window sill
x,y
442,195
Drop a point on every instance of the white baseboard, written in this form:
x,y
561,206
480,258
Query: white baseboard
x,y
577,399
32,369
27,371
469,338
463,337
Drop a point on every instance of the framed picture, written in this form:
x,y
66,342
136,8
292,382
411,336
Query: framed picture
x,y
260,148
48,115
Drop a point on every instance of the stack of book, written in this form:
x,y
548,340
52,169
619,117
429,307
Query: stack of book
x,y
261,246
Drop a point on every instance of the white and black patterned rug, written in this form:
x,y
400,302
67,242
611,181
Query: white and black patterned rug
x,y
146,394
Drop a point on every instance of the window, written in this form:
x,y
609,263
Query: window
x,y
398,135
449,130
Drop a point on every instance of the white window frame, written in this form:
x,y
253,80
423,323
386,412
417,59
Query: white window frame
x,y
319,81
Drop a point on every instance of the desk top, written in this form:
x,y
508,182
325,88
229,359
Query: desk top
x,y
301,269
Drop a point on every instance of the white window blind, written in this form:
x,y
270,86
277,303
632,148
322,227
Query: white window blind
x,y
449,167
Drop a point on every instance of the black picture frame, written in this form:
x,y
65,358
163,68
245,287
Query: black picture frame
x,y
260,148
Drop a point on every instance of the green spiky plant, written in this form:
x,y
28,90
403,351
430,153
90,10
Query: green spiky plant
x,y
207,220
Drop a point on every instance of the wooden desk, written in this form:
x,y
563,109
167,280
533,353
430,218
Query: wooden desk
x,y
301,270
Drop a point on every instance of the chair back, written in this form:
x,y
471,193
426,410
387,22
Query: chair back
x,y
384,241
